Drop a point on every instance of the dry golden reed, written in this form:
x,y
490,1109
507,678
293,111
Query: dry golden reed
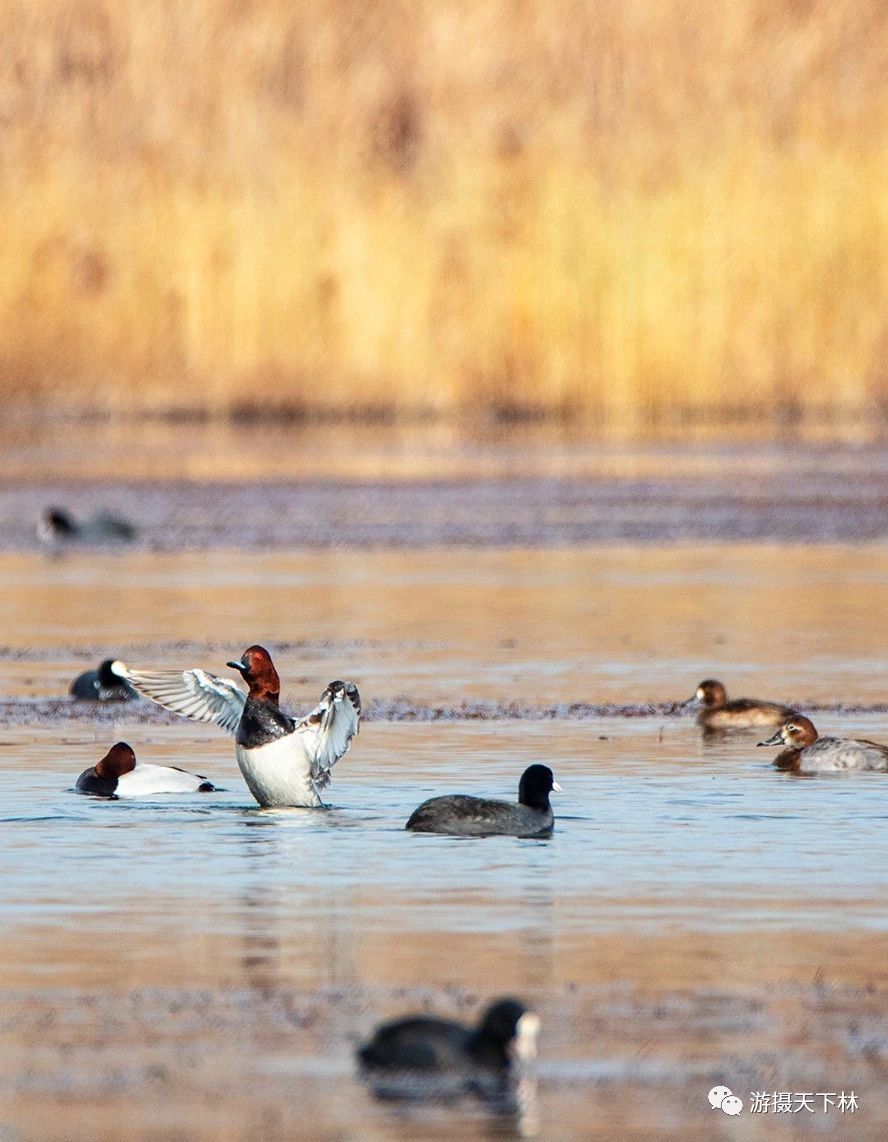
x,y
624,211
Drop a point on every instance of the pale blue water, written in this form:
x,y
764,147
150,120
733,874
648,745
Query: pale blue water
x,y
656,830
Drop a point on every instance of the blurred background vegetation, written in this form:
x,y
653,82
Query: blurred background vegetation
x,y
638,212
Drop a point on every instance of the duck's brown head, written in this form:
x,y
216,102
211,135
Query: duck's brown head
x,y
797,733
710,694
119,759
259,673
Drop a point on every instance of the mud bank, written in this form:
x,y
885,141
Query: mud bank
x,y
61,711
805,505
231,1063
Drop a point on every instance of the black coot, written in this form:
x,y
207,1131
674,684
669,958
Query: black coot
x,y
464,816
465,1057
102,685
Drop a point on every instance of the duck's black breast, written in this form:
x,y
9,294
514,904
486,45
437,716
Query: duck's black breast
x,y
90,782
788,758
262,722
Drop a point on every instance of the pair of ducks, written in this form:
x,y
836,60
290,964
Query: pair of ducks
x,y
283,761
804,750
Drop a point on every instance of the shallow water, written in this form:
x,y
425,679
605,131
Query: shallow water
x,y
656,830
601,624
691,912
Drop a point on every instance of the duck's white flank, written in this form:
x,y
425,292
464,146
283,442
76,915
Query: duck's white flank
x,y
146,779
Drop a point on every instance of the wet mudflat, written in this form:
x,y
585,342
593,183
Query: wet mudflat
x,y
338,486
194,967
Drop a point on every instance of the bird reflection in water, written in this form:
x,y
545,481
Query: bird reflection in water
x,y
289,922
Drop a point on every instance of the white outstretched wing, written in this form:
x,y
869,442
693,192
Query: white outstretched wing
x,y
326,732
192,693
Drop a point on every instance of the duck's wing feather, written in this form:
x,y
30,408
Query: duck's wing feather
x,y
742,705
326,732
845,753
192,693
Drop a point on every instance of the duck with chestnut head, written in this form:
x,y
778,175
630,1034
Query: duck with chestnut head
x,y
120,774
716,712
805,751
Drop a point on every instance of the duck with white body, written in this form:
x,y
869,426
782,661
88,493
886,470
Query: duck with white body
x,y
120,774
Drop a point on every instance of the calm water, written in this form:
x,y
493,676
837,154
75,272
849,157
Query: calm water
x,y
656,830
676,863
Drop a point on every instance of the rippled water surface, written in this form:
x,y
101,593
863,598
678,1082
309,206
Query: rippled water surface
x,y
248,949
656,829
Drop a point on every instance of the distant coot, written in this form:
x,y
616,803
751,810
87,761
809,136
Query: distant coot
x,y
102,685
464,816
465,1057
57,528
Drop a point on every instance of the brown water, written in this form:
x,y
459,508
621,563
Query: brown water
x,y
598,624
193,967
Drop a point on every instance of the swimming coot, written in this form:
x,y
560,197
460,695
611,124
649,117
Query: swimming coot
x,y
461,815
102,685
430,1047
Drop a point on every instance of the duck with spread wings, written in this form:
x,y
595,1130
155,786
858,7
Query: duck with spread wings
x,y
284,761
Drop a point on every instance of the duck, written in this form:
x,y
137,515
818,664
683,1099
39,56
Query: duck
x,y
428,1047
102,685
807,752
285,762
718,713
119,774
460,815
57,528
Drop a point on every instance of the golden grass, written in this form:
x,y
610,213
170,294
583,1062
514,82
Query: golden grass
x,y
628,211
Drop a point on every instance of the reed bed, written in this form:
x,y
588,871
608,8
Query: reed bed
x,y
635,212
